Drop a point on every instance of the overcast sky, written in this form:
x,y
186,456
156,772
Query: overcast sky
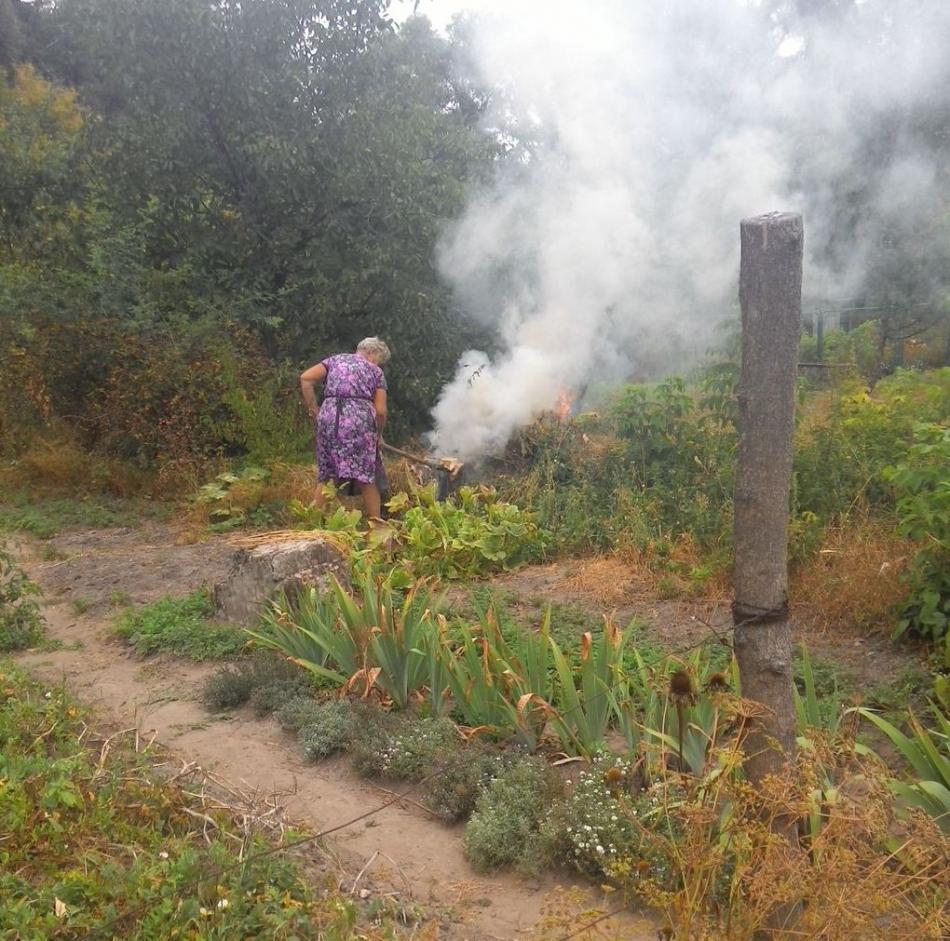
x,y
440,12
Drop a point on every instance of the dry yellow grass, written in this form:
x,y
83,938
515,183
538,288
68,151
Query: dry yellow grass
x,y
609,580
57,466
854,582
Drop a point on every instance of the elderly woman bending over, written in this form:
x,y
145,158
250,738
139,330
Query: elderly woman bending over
x,y
350,422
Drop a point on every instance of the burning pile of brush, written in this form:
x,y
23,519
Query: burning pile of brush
x,y
448,470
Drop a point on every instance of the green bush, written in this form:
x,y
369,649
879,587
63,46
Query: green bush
x,y
681,446
505,828
847,351
21,623
271,424
922,483
840,460
329,729
659,464
179,626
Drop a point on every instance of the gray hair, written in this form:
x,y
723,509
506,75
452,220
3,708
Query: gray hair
x,y
373,346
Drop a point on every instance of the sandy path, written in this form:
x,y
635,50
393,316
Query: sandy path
x,y
415,856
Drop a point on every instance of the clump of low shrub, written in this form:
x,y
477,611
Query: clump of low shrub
x,y
505,828
296,713
269,697
454,792
21,623
330,729
228,688
263,679
179,626
400,746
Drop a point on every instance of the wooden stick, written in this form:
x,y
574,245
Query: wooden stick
x,y
435,465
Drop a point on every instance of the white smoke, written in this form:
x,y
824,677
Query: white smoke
x,y
611,250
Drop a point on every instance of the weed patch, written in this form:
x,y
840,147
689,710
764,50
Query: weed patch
x,y
45,518
93,846
21,623
179,626
855,578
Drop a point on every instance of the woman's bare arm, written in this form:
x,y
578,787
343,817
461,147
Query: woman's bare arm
x,y
379,403
308,387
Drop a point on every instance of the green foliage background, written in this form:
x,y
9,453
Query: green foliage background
x,y
192,192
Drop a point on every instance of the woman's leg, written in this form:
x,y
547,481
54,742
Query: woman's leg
x,y
371,499
321,496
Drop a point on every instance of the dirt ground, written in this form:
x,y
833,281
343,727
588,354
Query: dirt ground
x,y
408,857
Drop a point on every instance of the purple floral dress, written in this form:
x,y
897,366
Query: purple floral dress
x,y
346,426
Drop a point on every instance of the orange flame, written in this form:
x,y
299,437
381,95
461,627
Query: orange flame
x,y
564,406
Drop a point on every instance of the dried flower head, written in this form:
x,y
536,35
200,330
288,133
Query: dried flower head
x,y
681,687
718,683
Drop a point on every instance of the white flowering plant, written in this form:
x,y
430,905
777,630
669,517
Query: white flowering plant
x,y
591,829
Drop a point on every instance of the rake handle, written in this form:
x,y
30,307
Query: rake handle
x,y
411,457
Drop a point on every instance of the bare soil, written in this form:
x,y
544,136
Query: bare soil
x,y
407,855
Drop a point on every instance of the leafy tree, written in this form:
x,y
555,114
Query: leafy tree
x,y
288,165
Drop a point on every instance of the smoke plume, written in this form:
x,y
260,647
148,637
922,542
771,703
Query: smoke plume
x,y
644,132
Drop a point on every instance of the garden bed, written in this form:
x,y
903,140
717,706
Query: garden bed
x,y
413,853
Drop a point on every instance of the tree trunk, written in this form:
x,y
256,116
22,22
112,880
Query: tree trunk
x,y
770,289
770,283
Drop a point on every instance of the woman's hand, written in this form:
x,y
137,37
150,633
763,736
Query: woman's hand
x,y
308,387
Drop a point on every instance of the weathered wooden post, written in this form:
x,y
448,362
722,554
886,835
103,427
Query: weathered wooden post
x,y
770,285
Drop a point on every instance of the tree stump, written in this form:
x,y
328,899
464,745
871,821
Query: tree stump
x,y
259,573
